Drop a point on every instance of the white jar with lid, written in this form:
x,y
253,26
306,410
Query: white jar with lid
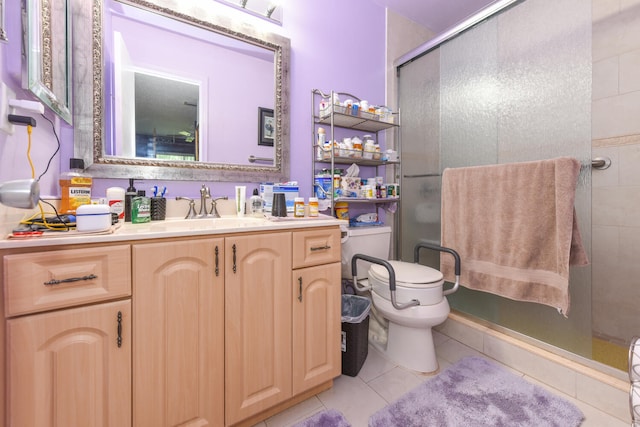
x,y
369,147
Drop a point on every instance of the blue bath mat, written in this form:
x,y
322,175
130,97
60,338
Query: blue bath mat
x,y
475,393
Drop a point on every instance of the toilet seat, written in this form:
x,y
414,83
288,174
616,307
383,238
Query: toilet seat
x,y
413,281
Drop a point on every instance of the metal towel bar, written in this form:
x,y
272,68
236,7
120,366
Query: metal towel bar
x,y
600,162
253,159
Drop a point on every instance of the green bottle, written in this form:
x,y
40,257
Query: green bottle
x,y
140,208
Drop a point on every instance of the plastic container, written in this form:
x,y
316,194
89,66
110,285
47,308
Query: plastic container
x,y
75,187
323,184
342,210
313,207
298,207
128,197
355,333
115,200
140,208
93,218
256,204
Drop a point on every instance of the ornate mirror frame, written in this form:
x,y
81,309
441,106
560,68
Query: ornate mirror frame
x,y
88,83
3,31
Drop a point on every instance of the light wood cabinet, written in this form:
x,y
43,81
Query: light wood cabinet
x,y
71,367
316,326
67,364
316,307
257,323
178,303
202,331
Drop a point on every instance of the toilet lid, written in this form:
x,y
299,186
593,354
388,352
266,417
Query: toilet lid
x,y
407,273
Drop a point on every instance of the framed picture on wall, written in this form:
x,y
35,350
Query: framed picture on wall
x,y
266,127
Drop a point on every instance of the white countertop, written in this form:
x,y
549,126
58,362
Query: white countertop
x,y
172,228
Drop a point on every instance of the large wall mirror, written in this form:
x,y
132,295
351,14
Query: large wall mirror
x,y
175,90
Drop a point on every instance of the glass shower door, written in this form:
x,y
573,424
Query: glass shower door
x,y
490,96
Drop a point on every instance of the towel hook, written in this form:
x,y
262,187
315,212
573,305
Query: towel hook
x,y
600,163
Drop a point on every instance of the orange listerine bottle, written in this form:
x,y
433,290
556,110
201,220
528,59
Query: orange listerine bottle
x,y
75,187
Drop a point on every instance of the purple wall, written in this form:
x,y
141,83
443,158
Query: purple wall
x,y
343,51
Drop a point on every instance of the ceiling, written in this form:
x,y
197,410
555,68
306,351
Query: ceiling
x,y
436,15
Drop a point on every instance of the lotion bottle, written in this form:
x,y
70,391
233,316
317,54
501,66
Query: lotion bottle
x,y
256,204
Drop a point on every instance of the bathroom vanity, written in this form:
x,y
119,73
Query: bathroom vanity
x,y
199,322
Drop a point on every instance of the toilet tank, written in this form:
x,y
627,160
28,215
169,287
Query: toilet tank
x,y
373,241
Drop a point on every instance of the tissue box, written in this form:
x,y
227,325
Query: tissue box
x,y
350,186
267,190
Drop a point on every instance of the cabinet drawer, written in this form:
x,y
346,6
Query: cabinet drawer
x,y
316,247
42,281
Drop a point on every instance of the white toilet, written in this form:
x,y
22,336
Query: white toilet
x,y
409,338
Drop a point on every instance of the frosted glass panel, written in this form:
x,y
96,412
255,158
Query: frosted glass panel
x,y
516,87
470,96
419,87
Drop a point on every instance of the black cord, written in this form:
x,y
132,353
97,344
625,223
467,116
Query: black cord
x,y
63,222
54,153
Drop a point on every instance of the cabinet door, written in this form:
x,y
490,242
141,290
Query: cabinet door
x,y
258,323
316,326
178,323
66,368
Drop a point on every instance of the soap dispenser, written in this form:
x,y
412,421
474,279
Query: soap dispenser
x,y
256,204
128,197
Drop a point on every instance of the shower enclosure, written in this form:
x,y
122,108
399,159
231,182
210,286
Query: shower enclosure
x,y
515,86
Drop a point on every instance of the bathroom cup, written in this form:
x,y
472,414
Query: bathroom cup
x,y
279,205
158,208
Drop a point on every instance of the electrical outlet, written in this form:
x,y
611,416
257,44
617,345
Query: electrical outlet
x,y
5,95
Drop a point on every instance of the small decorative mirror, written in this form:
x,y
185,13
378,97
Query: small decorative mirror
x,y
47,53
3,33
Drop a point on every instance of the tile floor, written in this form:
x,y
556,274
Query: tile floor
x,y
381,382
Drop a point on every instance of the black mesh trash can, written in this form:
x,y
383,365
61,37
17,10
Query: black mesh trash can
x,y
355,333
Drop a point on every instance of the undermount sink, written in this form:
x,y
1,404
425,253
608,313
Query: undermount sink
x,y
205,223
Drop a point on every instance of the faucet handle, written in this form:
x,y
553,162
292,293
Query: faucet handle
x,y
214,210
192,207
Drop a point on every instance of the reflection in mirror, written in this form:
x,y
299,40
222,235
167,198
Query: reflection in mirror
x,y
234,74
166,118
47,49
162,123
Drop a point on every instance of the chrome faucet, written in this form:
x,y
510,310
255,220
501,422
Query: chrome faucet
x,y
192,207
204,195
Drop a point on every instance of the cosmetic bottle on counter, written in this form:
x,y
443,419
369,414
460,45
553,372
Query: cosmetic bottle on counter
x,y
140,208
75,187
128,197
256,204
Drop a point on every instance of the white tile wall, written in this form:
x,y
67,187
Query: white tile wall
x,y
616,191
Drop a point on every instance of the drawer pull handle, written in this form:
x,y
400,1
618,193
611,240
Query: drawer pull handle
x,y
71,279
217,267
320,248
234,258
119,340
300,289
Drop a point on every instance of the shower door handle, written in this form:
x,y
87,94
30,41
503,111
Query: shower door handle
x,y
421,175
